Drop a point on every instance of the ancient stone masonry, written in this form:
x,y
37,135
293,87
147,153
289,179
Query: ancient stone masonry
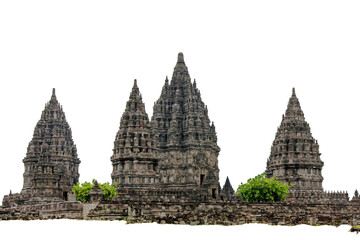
x,y
295,156
228,212
185,138
167,169
96,195
51,162
175,155
356,197
134,158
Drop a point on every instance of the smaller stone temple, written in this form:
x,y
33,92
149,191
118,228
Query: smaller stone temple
x,y
134,158
51,162
228,189
295,156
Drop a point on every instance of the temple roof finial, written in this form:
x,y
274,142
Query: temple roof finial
x,y
180,57
96,184
53,96
135,93
180,68
293,110
135,99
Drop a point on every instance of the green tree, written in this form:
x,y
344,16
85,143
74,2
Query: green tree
x,y
82,191
262,189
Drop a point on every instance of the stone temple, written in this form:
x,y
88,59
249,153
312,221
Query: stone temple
x,y
177,151
295,156
166,168
185,137
135,161
51,162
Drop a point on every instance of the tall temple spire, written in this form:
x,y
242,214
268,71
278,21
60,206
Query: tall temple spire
x,y
295,156
134,158
135,92
183,134
53,99
51,162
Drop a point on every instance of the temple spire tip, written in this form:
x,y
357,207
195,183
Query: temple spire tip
x,y
180,57
53,95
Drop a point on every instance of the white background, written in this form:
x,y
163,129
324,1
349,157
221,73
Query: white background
x,y
245,56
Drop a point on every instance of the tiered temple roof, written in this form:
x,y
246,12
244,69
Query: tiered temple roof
x,y
295,156
134,158
185,137
51,162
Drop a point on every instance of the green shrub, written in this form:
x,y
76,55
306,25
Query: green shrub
x,y
262,189
108,190
82,191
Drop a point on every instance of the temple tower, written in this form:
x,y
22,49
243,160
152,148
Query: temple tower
x,y
227,188
51,162
185,137
295,156
134,158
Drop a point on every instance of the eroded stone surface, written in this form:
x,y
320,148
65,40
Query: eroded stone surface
x,y
167,169
51,162
185,137
178,152
295,156
135,161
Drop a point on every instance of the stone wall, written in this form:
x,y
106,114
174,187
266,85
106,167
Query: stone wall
x,y
169,209
229,212
195,212
61,210
319,197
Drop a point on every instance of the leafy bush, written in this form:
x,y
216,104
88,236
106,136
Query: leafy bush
x,y
82,191
108,190
262,189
